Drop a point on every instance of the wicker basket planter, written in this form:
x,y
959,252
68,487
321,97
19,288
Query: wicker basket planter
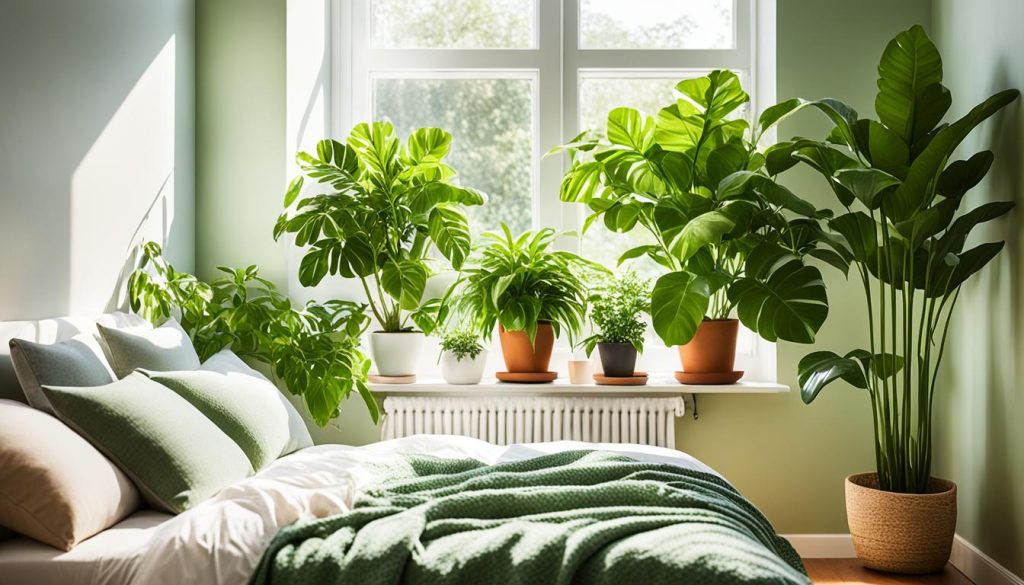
x,y
901,533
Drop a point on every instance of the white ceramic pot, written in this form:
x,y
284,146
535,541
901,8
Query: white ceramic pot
x,y
464,371
396,354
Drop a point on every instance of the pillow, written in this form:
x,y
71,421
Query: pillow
x,y
165,348
246,410
77,361
55,486
174,454
226,362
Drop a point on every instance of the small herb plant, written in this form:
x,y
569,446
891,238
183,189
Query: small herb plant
x,y
463,344
315,350
617,312
519,282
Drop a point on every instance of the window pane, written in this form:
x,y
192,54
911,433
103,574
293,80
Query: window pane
x,y
453,24
491,122
656,24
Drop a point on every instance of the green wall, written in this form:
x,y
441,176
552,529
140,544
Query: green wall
x,y
979,434
790,459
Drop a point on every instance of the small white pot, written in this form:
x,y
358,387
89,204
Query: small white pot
x,y
396,354
464,371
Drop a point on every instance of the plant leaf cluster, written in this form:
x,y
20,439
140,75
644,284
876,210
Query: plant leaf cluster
x,y
617,311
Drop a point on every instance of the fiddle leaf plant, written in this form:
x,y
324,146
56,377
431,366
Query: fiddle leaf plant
x,y
388,207
313,350
519,282
730,238
902,194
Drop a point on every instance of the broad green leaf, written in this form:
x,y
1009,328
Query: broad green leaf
x,y
679,127
377,146
637,252
679,301
765,258
790,304
314,265
820,368
705,229
359,256
861,233
956,236
425,197
887,150
927,223
867,184
961,176
772,115
676,170
583,182
909,64
628,127
717,93
724,161
828,161
404,280
831,257
449,229
919,187
294,188
947,280
427,146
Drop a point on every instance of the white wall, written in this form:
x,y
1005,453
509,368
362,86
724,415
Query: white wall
x,y
97,146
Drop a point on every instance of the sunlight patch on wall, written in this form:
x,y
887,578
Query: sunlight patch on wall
x,y
122,192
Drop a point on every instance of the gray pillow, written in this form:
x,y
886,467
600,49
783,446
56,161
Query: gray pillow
x,y
169,449
75,362
163,349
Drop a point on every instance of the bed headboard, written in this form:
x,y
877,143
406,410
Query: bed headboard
x,y
49,331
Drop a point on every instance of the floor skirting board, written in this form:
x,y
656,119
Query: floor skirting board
x,y
974,564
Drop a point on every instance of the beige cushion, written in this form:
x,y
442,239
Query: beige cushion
x,y
163,349
55,487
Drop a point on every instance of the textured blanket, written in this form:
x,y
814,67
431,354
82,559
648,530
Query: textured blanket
x,y
574,517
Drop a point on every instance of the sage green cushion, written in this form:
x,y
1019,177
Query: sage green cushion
x,y
163,349
75,362
169,449
246,409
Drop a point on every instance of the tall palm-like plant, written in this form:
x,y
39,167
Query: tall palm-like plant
x,y
388,207
729,236
901,193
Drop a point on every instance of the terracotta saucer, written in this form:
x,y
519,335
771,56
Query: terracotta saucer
x,y
637,379
527,377
410,379
708,378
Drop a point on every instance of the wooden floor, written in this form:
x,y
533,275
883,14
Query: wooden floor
x,y
849,571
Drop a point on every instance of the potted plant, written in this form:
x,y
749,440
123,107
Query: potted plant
x,y
531,292
462,357
387,208
617,313
730,238
900,192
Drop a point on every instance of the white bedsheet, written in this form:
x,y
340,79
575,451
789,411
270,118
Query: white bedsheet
x,y
221,540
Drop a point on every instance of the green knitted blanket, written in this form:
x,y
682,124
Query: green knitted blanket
x,y
574,517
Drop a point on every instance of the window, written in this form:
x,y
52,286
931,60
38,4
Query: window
x,y
510,79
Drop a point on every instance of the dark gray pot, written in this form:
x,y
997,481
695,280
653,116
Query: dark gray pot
x,y
617,359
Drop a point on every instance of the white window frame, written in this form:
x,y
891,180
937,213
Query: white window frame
x,y
555,64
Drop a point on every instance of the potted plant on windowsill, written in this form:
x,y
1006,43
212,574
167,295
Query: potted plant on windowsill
x,y
531,293
388,207
901,193
617,310
462,357
731,239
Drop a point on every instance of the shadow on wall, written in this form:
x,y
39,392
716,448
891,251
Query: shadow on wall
x,y
978,435
95,148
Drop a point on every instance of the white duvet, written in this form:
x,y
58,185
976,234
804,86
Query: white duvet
x,y
221,541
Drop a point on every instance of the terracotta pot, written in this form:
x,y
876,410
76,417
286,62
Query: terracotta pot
x,y
520,355
901,533
618,360
712,349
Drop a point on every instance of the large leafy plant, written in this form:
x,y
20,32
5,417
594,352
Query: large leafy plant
x,y
314,351
388,207
901,194
519,282
729,236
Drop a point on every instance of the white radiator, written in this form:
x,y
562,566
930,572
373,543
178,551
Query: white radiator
x,y
532,419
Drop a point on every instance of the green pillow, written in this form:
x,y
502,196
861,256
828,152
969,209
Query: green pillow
x,y
171,451
249,412
163,349
75,362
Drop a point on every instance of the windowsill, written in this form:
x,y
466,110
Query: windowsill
x,y
656,386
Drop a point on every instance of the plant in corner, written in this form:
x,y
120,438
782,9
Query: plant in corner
x,y
314,351
902,195
617,310
530,292
462,357
729,236
387,208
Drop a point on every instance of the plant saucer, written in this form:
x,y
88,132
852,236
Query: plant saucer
x,y
637,379
527,377
708,378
